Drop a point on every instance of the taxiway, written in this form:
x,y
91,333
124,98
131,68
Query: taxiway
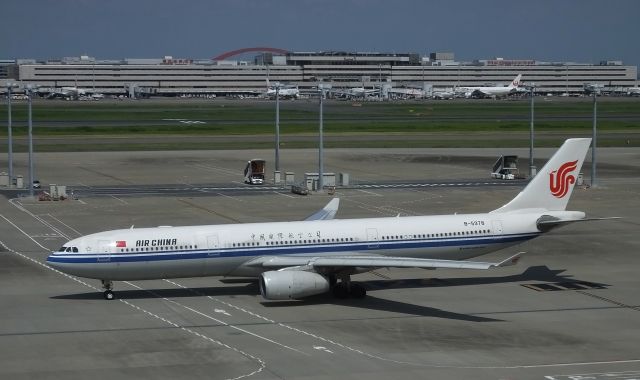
x,y
570,308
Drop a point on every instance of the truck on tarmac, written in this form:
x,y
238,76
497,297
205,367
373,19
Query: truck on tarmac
x,y
506,168
254,172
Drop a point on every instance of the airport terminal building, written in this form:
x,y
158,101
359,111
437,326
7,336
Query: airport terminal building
x,y
175,77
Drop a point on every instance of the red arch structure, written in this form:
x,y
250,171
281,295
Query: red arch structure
x,y
228,54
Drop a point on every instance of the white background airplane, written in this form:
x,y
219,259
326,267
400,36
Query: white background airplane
x,y
299,259
633,91
74,93
284,91
490,91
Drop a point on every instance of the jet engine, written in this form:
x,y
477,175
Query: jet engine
x,y
292,284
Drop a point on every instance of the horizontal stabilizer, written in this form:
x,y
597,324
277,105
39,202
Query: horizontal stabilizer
x,y
546,224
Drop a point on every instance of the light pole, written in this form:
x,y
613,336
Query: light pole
x,y
595,88
29,91
277,126
320,144
532,168
9,132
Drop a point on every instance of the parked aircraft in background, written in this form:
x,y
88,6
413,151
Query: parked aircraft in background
x,y
443,94
403,92
490,91
284,91
355,92
633,91
74,93
299,259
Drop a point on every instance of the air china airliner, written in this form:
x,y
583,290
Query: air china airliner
x,y
297,259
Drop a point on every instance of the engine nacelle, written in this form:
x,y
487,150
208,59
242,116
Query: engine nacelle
x,y
292,284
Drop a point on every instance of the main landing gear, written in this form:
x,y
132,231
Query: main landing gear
x,y
107,285
345,288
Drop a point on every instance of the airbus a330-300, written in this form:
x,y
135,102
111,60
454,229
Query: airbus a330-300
x,y
297,259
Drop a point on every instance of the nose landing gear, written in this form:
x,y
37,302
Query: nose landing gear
x,y
107,285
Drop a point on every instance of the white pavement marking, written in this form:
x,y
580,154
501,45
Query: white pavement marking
x,y
64,224
230,197
216,169
215,319
260,361
36,217
370,192
320,348
284,195
118,199
262,364
627,375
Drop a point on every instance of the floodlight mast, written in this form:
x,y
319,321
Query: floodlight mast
x,y
10,86
277,168
320,144
596,88
29,90
532,89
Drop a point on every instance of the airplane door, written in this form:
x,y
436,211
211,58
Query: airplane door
x,y
104,250
213,245
372,238
497,227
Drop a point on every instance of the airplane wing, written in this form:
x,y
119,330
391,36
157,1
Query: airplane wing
x,y
295,262
478,92
328,212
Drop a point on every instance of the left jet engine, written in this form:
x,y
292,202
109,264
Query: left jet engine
x,y
292,284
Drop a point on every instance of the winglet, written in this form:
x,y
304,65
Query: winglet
x,y
513,260
328,212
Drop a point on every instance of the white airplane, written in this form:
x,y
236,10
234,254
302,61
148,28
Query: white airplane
x,y
633,91
443,94
355,92
68,92
284,91
405,92
303,258
490,91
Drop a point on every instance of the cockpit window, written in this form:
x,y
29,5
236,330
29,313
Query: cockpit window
x,y
62,249
68,249
75,249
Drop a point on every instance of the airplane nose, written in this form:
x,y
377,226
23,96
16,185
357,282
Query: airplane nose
x,y
51,261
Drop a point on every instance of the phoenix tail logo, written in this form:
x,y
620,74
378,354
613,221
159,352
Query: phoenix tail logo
x,y
560,180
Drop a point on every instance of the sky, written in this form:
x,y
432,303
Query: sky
x,y
545,30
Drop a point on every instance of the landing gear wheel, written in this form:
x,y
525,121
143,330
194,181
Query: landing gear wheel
x,y
107,285
357,291
340,291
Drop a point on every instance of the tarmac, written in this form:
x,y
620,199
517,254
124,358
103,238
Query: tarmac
x,y
569,310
